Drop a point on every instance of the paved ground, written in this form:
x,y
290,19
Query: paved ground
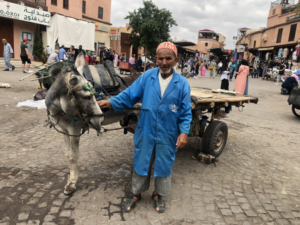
x,y
256,180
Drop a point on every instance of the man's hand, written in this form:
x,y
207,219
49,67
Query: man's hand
x,y
181,141
11,55
104,104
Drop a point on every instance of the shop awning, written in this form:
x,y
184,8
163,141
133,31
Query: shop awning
x,y
184,43
265,49
190,50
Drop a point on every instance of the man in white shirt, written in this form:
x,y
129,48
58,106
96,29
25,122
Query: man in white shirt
x,y
220,67
48,51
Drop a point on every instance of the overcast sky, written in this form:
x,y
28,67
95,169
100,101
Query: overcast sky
x,y
221,16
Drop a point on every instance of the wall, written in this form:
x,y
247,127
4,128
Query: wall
x,y
20,26
92,9
75,9
211,44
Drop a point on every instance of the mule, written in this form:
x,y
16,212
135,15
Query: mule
x,y
72,106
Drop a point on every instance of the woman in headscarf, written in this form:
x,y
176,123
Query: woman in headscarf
x,y
213,72
203,69
242,76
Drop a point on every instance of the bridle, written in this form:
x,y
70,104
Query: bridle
x,y
80,115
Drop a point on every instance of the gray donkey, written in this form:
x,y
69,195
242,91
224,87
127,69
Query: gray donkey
x,y
72,106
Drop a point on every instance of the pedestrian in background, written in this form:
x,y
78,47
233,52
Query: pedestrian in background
x,y
7,54
71,53
61,53
232,69
197,68
116,59
220,65
203,69
213,71
53,58
139,64
25,57
194,62
242,76
132,60
48,51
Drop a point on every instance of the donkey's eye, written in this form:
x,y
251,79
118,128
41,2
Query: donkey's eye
x,y
87,98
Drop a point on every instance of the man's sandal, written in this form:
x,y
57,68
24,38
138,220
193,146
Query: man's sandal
x,y
130,203
158,203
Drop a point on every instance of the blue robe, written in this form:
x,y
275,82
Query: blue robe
x,y
6,55
161,120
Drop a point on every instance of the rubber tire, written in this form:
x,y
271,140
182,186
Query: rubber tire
x,y
294,111
209,136
121,71
47,86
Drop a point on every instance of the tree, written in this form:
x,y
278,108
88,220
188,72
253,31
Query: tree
x,y
38,49
150,26
297,9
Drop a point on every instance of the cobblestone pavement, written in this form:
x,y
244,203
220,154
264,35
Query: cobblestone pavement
x,y
256,180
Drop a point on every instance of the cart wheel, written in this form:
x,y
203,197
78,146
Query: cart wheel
x,y
215,138
296,111
47,86
121,71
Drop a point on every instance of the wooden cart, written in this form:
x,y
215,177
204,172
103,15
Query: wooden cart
x,y
126,67
205,105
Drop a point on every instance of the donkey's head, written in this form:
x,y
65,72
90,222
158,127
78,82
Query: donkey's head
x,y
82,91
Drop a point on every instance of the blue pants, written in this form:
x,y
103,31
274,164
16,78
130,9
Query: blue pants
x,y
193,72
231,74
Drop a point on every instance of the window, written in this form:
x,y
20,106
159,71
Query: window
x,y
293,32
66,4
274,11
206,44
83,6
254,45
26,35
53,2
100,13
279,35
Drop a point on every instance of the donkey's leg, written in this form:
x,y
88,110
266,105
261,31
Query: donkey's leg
x,y
72,155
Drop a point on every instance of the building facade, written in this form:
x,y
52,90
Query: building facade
x,y
97,12
22,19
282,33
122,45
208,39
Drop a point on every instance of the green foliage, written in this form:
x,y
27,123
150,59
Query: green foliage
x,y
38,48
297,9
150,26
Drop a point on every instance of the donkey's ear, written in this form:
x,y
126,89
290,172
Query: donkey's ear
x,y
79,63
73,81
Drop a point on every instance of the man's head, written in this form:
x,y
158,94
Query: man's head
x,y
80,46
62,46
25,41
56,51
47,45
140,58
4,41
281,62
166,57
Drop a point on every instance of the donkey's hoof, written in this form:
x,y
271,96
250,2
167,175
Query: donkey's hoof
x,y
69,191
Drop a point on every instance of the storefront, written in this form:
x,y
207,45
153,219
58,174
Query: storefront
x,y
18,22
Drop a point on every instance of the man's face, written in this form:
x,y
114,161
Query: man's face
x,y
166,59
4,41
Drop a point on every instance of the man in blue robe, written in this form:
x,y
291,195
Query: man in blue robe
x,y
163,127
7,54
